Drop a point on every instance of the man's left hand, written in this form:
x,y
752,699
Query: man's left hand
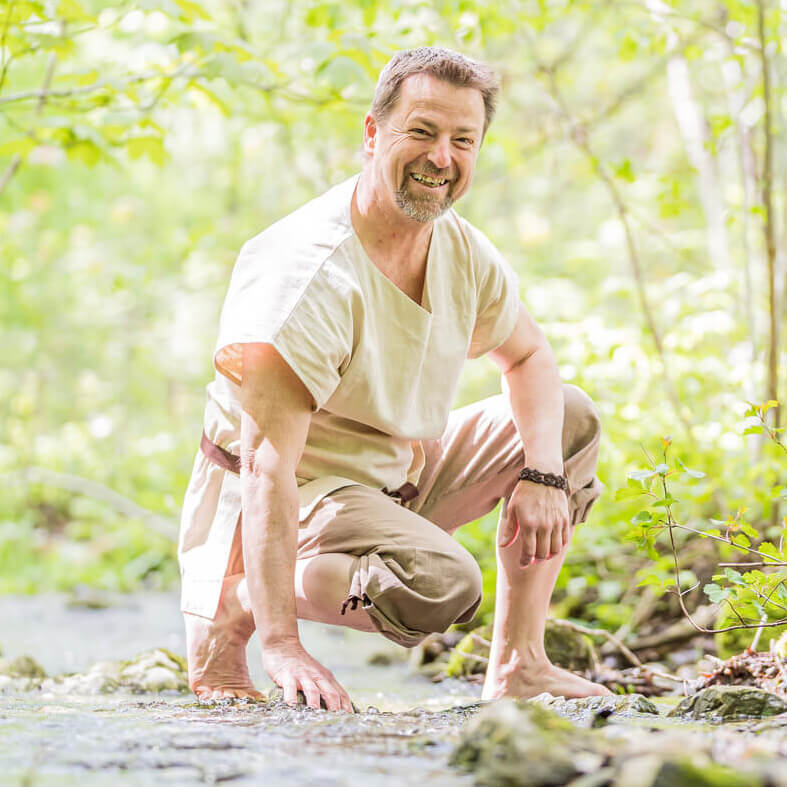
x,y
537,522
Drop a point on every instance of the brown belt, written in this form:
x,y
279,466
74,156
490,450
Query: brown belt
x,y
229,461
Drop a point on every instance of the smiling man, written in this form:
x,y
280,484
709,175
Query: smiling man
x,y
332,471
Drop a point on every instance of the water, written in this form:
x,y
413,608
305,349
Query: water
x,y
403,738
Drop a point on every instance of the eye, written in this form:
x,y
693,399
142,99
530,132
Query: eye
x,y
465,140
420,131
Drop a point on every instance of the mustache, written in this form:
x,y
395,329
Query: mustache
x,y
430,170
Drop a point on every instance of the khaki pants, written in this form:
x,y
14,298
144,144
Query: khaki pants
x,y
410,575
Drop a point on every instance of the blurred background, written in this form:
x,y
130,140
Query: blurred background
x,y
634,176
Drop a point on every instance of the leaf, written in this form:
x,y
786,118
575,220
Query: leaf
x,y
715,593
771,551
191,10
662,469
641,475
634,489
753,430
642,516
624,171
150,146
734,577
667,501
690,472
740,540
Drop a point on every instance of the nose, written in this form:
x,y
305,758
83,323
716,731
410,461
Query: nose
x,y
440,153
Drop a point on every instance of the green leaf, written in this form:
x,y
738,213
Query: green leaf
x,y
624,171
715,593
734,577
642,516
771,551
690,472
740,540
150,146
641,475
191,10
667,501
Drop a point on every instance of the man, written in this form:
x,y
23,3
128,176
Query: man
x,y
331,472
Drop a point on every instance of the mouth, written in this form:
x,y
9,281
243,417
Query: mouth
x,y
428,180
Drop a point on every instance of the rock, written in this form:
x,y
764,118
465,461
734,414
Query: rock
x,y
565,648
155,670
525,745
587,709
729,703
652,770
470,655
381,659
22,667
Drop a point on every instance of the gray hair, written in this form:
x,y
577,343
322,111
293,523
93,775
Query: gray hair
x,y
444,64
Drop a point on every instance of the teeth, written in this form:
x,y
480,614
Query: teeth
x,y
429,181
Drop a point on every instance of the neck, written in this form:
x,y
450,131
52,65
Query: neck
x,y
381,225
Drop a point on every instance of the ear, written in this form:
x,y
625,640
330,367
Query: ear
x,y
369,134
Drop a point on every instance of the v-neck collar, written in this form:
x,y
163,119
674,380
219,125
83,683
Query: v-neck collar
x,y
425,307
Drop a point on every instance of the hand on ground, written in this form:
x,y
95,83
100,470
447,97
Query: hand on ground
x,y
292,668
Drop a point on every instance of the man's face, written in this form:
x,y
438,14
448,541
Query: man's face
x,y
424,151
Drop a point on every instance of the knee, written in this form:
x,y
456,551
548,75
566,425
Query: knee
x,y
447,590
581,421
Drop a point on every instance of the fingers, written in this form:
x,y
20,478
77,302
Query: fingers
x,y
556,542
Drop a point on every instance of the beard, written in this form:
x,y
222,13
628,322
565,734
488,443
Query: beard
x,y
422,207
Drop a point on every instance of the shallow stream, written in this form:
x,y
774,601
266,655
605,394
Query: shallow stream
x,y
403,738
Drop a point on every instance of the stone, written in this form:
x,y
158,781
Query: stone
x,y
155,670
564,647
652,770
526,745
22,667
729,703
588,708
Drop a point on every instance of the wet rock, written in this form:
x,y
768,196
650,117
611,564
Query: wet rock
x,y
568,648
588,709
525,745
565,648
729,703
22,667
471,654
156,670
652,770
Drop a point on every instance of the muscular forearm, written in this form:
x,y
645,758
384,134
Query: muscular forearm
x,y
270,526
536,395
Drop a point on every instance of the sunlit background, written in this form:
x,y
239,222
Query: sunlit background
x,y
633,177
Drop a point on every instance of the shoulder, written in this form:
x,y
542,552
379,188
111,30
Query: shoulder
x,y
318,226
479,247
300,247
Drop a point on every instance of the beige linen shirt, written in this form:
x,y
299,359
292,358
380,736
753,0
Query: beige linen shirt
x,y
382,369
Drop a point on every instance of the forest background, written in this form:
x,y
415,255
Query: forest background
x,y
635,178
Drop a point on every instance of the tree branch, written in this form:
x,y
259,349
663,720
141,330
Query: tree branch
x,y
97,491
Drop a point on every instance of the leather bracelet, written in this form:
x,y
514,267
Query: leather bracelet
x,y
548,479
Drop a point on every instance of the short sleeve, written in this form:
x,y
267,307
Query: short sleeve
x,y
300,309
497,297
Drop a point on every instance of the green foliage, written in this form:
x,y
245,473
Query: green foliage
x,y
747,599
142,142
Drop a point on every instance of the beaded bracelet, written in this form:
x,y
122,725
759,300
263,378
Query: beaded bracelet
x,y
548,479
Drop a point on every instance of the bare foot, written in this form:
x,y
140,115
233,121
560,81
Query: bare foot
x,y
514,679
217,648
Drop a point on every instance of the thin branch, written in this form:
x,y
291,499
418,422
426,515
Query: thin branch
x,y
16,159
97,491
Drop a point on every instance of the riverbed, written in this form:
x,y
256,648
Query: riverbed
x,y
404,734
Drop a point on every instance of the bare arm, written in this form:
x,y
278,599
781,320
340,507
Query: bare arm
x,y
277,410
532,381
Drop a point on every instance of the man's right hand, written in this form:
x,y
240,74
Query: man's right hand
x,y
291,667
